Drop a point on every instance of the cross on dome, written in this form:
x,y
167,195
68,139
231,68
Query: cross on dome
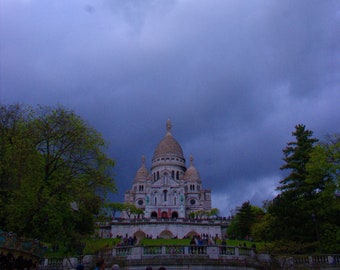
x,y
168,126
191,160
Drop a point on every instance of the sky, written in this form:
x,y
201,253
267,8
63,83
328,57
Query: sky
x,y
234,77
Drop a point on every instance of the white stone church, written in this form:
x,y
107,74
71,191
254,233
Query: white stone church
x,y
167,194
169,189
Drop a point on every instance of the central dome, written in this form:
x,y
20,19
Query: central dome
x,y
168,145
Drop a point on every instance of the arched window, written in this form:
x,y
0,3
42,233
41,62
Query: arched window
x,y
174,214
177,175
155,200
173,174
165,192
175,201
157,175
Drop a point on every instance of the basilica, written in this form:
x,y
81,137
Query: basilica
x,y
169,189
170,195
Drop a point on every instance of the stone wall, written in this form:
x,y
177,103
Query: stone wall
x,y
162,229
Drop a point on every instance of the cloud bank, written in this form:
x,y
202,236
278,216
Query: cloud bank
x,y
234,77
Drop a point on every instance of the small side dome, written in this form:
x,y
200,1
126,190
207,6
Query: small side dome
x,y
142,171
191,173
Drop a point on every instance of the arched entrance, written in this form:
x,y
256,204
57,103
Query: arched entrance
x,y
174,214
164,214
166,234
191,234
154,215
139,235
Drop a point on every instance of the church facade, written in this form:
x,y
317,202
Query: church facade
x,y
169,189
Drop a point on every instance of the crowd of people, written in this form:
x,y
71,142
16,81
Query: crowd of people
x,y
127,240
203,240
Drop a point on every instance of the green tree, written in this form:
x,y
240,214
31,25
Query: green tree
x,y
17,153
261,230
62,179
296,156
214,212
324,165
324,174
292,210
246,216
131,209
114,207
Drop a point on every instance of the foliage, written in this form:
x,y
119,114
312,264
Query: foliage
x,y
261,230
307,210
93,246
90,246
292,210
114,207
324,174
131,209
109,210
330,238
246,216
296,156
288,247
54,173
164,242
199,214
214,212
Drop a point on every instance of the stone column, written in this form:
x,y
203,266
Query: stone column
x,y
136,253
237,252
213,252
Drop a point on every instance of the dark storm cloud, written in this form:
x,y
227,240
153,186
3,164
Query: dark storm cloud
x,y
234,77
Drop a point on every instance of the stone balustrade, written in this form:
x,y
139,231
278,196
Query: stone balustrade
x,y
142,252
316,259
130,257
